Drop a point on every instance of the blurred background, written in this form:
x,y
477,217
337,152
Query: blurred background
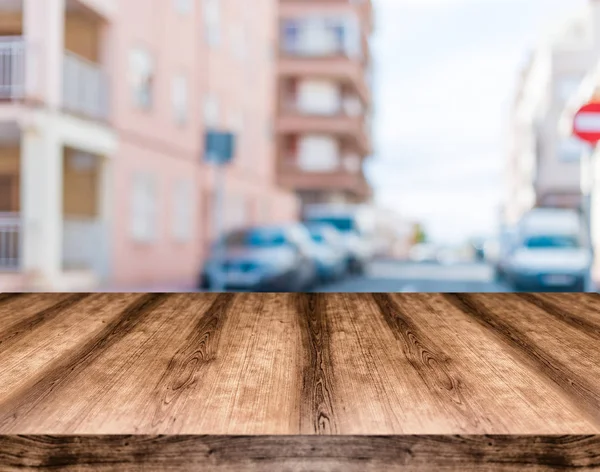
x,y
288,145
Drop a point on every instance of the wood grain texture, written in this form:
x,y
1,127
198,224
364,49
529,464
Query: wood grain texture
x,y
299,364
300,453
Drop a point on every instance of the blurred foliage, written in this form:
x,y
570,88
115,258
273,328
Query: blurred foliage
x,y
419,234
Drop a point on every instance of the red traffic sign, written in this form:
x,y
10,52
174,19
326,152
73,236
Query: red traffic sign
x,y
586,124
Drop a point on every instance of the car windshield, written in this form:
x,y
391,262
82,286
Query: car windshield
x,y
256,238
552,241
343,224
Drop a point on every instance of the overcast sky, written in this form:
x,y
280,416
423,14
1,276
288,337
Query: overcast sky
x,y
445,72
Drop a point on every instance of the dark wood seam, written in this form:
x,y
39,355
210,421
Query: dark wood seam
x,y
317,413
24,327
66,368
184,369
583,325
576,388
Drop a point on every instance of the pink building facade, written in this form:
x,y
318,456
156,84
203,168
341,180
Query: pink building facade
x,y
103,110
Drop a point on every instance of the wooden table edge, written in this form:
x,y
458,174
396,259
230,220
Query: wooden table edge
x,y
297,452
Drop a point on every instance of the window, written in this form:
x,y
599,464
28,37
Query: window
x,y
552,241
319,97
184,6
180,99
211,111
318,154
8,193
183,210
141,65
212,18
290,35
321,36
144,208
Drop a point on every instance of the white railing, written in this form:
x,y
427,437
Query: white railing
x,y
12,68
10,241
85,87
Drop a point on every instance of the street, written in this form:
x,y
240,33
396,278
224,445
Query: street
x,y
393,276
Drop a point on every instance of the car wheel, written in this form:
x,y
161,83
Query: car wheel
x,y
204,283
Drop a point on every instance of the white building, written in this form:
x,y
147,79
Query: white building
x,y
544,165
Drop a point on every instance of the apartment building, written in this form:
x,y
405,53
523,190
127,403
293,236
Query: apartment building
x,y
104,106
588,91
240,75
544,166
57,140
324,100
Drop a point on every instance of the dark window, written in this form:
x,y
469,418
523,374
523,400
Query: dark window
x,y
8,193
343,224
256,238
551,242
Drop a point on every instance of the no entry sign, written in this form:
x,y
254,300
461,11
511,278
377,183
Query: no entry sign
x,y
586,124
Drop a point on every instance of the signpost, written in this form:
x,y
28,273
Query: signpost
x,y
219,151
586,126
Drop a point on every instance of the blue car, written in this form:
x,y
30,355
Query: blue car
x,y
271,258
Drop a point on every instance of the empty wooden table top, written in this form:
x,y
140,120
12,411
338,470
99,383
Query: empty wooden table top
x,y
270,364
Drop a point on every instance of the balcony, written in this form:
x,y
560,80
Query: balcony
x,y
12,68
85,87
85,84
10,242
293,177
354,129
340,68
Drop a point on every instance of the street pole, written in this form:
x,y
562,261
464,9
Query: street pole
x,y
218,282
587,186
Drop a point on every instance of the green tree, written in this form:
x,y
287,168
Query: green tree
x,y
420,236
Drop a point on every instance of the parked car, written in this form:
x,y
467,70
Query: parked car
x,y
355,224
334,259
424,252
499,251
274,258
552,252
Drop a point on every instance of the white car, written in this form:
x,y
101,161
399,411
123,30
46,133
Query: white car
x,y
354,224
552,253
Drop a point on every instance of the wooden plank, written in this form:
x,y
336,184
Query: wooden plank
x,y
311,364
46,332
250,385
300,453
565,354
475,375
76,360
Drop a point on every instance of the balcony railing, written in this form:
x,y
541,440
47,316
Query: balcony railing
x,y
12,68
85,87
10,241
293,175
85,84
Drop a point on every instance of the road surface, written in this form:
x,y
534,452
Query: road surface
x,y
392,276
